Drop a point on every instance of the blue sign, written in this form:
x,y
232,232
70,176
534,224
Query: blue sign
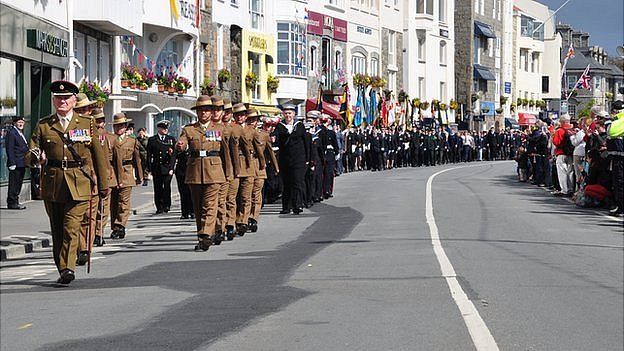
x,y
507,87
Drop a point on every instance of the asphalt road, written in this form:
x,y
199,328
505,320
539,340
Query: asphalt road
x,y
357,272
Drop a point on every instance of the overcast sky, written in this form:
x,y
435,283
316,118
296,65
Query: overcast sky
x,y
602,19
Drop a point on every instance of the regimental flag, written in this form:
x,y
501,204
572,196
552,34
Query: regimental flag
x,y
568,56
584,81
174,10
358,109
319,99
345,111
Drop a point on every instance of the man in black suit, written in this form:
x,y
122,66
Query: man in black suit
x,y
16,149
161,160
294,155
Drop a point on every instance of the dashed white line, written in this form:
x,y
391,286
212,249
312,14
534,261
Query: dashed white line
x,y
479,332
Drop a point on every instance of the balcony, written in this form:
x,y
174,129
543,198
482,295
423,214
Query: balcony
x,y
108,16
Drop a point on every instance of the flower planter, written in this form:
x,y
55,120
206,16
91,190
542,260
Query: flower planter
x,y
125,83
161,88
171,90
142,87
133,86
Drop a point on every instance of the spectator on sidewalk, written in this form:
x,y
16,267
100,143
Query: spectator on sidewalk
x,y
578,156
16,149
564,149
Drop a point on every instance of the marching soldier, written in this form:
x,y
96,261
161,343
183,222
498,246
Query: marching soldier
x,y
66,144
259,144
225,208
271,189
129,173
206,169
84,108
264,146
107,141
161,161
246,170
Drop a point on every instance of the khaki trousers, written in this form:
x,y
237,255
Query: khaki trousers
x,y
66,225
243,210
88,223
102,215
231,202
222,206
205,200
256,198
120,207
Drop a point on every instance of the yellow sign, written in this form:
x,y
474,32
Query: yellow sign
x,y
257,43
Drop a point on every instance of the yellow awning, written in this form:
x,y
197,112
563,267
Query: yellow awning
x,y
266,109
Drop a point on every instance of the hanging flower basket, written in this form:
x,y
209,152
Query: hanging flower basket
x,y
224,75
207,87
402,96
251,80
94,92
272,84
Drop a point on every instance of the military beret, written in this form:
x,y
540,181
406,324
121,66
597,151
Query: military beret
x,y
63,88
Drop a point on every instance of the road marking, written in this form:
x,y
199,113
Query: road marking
x,y
479,332
25,326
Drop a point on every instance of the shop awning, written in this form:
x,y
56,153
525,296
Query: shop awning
x,y
525,119
266,109
480,72
333,110
483,30
512,123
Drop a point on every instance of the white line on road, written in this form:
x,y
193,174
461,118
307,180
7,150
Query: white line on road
x,y
479,332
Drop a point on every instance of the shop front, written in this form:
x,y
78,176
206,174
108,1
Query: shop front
x,y
257,67
32,55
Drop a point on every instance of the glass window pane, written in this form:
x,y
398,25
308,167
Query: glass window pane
x,y
282,52
282,26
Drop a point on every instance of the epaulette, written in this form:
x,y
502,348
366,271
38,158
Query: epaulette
x,y
46,119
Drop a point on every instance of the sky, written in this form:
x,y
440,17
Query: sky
x,y
602,19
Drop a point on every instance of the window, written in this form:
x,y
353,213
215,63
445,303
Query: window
x,y
490,47
545,84
476,50
524,60
338,60
597,82
171,53
326,56
219,46
442,11
420,6
535,60
424,6
422,48
442,53
481,85
572,81
430,7
80,55
104,64
442,91
234,3
480,7
291,46
358,64
572,110
337,3
392,48
254,64
374,66
392,81
421,88
256,8
313,58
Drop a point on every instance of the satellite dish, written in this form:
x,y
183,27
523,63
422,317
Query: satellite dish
x,y
620,50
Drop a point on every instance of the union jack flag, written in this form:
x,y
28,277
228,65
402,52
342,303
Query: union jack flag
x,y
585,81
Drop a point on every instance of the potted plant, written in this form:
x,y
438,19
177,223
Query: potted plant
x,y
499,110
416,103
531,103
170,82
95,92
435,103
609,95
454,105
443,106
251,80
161,82
127,72
207,87
525,102
272,84
149,78
519,102
402,96
182,84
474,97
513,107
224,75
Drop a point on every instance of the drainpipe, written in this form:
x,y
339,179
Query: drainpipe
x,y
116,82
71,68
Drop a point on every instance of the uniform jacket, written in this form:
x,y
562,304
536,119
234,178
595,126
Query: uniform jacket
x,y
77,183
16,148
242,151
209,153
293,150
249,148
160,155
107,141
262,140
128,168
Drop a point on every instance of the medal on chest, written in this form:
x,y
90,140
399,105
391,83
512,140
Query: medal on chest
x,y
213,135
79,135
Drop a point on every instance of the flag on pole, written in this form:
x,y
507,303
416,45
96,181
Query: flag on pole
x,y
584,82
568,56
174,10
345,111
358,109
319,99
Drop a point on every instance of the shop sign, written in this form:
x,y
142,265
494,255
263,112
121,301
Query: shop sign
x,y
507,87
365,30
46,42
188,10
257,43
317,23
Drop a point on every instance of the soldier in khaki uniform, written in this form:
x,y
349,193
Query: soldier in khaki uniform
x,y
84,107
129,173
241,170
107,140
223,115
248,169
65,143
206,169
262,143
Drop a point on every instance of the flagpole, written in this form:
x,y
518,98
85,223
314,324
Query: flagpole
x,y
551,16
586,71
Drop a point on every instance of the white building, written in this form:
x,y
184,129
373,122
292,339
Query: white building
x,y
536,58
428,45
391,43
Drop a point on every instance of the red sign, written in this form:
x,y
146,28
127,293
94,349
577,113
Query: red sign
x,y
317,23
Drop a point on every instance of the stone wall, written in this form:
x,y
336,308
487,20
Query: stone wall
x,y
385,59
464,32
208,38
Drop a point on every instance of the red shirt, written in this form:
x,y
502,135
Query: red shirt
x,y
558,138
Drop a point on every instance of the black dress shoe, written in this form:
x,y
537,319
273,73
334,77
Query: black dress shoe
x,y
184,216
119,233
297,211
83,257
241,229
204,242
16,207
67,276
252,225
230,233
166,209
99,241
159,211
284,211
216,239
192,216
145,183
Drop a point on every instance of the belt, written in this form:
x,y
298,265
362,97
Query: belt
x,y
195,153
329,147
65,164
615,153
126,162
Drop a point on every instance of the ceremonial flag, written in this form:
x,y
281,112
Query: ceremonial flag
x,y
174,10
358,109
372,113
568,56
319,99
584,82
345,111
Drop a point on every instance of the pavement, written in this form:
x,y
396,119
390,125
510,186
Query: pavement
x,y
22,232
356,272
